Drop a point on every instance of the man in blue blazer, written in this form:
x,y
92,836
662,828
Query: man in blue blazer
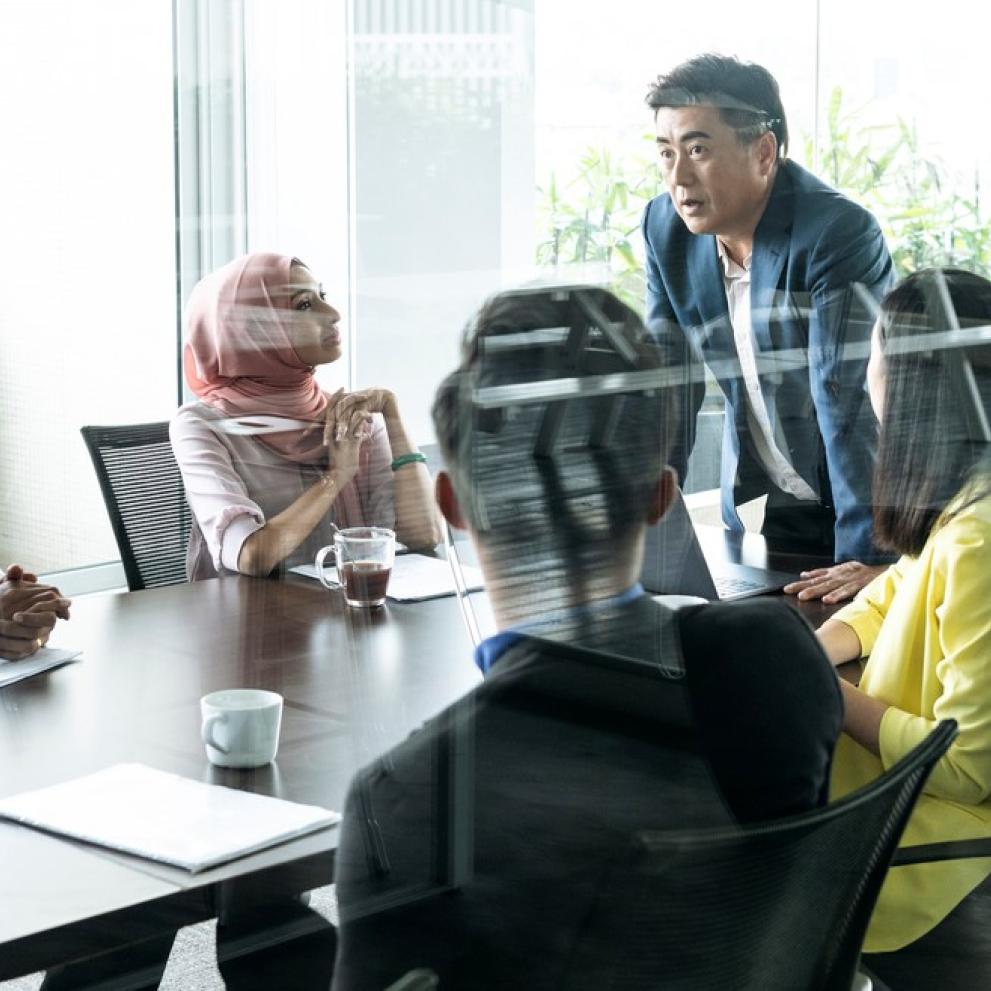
x,y
768,276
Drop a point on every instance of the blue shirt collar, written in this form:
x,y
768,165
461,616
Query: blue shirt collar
x,y
490,651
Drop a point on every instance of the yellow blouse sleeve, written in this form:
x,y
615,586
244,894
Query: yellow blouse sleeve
x,y
963,562
867,611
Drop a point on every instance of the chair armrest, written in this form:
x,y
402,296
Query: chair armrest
x,y
861,982
420,979
927,853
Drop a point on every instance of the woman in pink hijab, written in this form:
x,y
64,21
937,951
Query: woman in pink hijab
x,y
269,460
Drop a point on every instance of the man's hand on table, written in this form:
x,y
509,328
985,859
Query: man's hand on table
x,y
835,584
28,612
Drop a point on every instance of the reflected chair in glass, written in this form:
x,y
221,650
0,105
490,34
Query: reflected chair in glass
x,y
781,906
420,979
143,491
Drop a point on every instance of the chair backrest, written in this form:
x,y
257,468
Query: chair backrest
x,y
144,494
776,907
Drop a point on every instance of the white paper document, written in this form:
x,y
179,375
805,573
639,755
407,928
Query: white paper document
x,y
414,578
41,660
165,817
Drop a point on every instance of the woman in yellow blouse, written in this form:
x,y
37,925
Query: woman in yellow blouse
x,y
925,623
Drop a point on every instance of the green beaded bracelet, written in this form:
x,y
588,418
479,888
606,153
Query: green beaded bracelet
x,y
414,457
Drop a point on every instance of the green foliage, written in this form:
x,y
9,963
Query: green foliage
x,y
594,217
929,215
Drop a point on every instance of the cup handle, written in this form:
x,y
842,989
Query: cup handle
x,y
318,564
207,732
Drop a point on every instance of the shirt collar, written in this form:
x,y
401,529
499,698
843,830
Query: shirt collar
x,y
490,651
731,270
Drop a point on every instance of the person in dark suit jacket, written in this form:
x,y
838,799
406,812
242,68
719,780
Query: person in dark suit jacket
x,y
771,275
477,848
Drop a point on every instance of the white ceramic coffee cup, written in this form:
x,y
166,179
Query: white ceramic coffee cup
x,y
241,726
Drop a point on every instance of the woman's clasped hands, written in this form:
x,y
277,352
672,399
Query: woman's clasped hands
x,y
28,612
348,422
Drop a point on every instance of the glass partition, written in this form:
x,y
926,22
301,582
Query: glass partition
x,y
418,156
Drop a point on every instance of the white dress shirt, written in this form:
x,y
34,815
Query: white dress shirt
x,y
736,280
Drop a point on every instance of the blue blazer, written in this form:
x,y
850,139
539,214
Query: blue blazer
x,y
811,245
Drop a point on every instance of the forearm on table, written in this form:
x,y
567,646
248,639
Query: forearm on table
x,y
840,642
417,524
862,716
267,547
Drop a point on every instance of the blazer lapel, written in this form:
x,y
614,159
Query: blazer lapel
x,y
714,336
771,241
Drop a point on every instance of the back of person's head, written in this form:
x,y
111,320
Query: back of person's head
x,y
936,385
745,94
555,488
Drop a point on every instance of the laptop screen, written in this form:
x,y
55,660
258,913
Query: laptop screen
x,y
673,562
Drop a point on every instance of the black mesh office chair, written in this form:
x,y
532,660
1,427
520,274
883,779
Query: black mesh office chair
x,y
145,498
932,853
776,907
963,941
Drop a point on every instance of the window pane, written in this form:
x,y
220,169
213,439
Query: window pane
x,y
88,316
444,185
595,159
897,127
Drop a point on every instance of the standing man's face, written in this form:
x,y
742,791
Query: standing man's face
x,y
717,185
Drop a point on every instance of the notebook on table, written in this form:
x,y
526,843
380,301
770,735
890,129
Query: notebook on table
x,y
414,578
164,817
42,660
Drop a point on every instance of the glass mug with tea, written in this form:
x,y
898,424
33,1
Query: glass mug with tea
x,y
364,556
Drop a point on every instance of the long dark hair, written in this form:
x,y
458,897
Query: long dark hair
x,y
931,444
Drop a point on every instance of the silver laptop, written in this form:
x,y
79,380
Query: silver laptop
x,y
673,564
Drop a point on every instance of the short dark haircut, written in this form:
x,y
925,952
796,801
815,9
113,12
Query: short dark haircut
x,y
928,450
577,507
745,94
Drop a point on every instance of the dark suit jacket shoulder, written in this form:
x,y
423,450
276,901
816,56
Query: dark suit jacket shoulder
x,y
571,753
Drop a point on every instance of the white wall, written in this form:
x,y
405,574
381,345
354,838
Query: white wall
x,y
87,305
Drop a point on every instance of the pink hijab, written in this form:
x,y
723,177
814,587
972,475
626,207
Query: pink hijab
x,y
239,355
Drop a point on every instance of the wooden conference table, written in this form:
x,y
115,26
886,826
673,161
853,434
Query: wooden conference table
x,y
355,683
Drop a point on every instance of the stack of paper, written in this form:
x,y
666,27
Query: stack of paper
x,y
41,660
414,578
165,817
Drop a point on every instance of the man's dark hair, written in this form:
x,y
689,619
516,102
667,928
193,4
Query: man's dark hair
x,y
928,449
561,484
745,94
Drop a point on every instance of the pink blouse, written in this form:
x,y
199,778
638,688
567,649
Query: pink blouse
x,y
234,483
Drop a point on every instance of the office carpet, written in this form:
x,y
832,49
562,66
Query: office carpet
x,y
193,964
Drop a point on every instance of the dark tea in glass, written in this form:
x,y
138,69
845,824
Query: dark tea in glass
x,y
365,582
364,556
